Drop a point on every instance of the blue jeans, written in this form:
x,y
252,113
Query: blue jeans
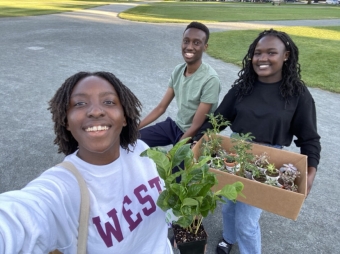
x,y
241,224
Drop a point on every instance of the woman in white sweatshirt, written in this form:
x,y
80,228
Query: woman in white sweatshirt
x,y
96,122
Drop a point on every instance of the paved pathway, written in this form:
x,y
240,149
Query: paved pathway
x,y
39,53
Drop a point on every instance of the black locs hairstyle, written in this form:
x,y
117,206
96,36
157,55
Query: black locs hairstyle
x,y
59,104
199,26
291,79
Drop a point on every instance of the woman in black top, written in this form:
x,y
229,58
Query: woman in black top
x,y
270,100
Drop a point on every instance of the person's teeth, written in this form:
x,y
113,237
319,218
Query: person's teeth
x,y
262,66
97,128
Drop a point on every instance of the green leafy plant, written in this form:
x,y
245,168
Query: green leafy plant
x,y
192,199
213,145
242,148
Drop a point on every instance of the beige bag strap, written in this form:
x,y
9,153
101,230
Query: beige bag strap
x,y
84,207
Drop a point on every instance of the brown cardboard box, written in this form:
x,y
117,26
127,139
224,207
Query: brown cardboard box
x,y
272,199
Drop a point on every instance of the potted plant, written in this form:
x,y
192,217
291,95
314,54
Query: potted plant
x,y
248,171
242,148
288,174
217,163
259,175
262,160
192,199
272,172
212,146
272,182
230,163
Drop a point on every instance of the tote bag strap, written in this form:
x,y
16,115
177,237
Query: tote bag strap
x,y
84,207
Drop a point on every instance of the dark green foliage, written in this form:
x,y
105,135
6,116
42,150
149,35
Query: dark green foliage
x,y
192,198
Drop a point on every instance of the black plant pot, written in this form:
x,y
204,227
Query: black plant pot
x,y
197,247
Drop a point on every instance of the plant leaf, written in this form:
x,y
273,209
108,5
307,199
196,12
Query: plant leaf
x,y
181,154
174,149
183,193
194,189
188,160
161,201
186,210
160,159
175,187
185,221
230,191
172,177
190,202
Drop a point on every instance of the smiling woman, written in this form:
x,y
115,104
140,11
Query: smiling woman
x,y
96,122
95,119
321,43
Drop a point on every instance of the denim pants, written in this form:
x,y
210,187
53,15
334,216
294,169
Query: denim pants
x,y
241,224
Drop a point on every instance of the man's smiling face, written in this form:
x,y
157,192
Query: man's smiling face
x,y
193,45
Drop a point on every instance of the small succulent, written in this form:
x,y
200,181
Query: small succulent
x,y
288,167
288,177
261,160
217,163
271,168
272,182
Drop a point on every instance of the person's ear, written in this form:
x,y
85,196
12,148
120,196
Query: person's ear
x,y
205,46
287,53
124,122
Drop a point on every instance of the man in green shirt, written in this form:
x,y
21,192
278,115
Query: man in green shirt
x,y
195,86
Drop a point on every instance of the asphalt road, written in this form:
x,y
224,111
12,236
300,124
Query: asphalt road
x,y
39,53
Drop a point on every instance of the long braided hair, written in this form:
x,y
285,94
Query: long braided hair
x,y
291,84
59,104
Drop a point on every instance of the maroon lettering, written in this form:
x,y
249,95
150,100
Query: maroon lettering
x,y
109,229
144,200
156,182
127,215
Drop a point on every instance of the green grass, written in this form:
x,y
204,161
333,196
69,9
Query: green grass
x,y
226,11
18,8
318,46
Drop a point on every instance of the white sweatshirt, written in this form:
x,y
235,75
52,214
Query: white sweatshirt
x,y
124,217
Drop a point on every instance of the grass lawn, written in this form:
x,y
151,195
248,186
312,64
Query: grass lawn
x,y
227,11
17,8
318,47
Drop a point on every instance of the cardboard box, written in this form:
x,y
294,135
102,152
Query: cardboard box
x,y
272,199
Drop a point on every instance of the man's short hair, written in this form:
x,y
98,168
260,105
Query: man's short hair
x,y
199,26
